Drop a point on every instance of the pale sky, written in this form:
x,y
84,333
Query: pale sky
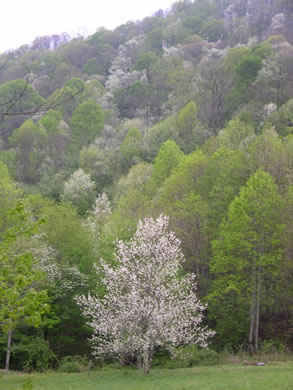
x,y
23,20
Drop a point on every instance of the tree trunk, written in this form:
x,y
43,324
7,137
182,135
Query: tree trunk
x,y
251,330
8,351
139,362
252,315
257,309
146,361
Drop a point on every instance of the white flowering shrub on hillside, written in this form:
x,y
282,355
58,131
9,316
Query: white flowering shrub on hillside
x,y
80,190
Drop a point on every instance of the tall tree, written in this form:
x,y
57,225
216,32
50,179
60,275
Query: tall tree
x,y
21,301
245,258
214,82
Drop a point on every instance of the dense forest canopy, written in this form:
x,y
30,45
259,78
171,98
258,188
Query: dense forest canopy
x,y
187,113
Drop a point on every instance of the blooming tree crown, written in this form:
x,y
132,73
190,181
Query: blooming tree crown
x,y
147,303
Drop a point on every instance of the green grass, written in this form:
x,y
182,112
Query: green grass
x,y
276,376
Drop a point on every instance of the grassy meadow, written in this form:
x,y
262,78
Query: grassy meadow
x,y
273,376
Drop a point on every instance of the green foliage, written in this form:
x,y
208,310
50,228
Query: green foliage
x,y
131,149
189,220
30,142
190,356
191,133
282,120
9,193
184,178
94,89
194,23
130,209
71,364
237,134
23,299
243,98
50,121
71,93
77,53
263,49
235,55
65,234
246,70
167,159
33,354
101,164
8,157
157,134
145,60
20,301
21,94
249,240
244,64
187,118
87,122
68,335
92,67
155,38
213,30
267,153
225,172
137,178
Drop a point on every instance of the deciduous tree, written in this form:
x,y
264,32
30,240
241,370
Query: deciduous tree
x,y
21,301
87,122
245,258
147,304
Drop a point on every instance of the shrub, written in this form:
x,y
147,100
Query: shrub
x,y
71,364
34,353
189,356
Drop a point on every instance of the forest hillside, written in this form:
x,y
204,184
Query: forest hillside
x,y
188,114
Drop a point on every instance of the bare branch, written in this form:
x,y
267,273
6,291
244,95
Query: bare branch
x,y
9,110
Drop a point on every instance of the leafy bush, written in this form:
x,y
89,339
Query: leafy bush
x,y
71,364
189,356
33,353
271,346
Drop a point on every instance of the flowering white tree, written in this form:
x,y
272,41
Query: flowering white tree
x,y
62,278
80,190
146,304
97,218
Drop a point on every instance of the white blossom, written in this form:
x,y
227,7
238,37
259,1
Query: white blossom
x,y
97,218
269,109
77,185
79,190
102,207
146,303
62,278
